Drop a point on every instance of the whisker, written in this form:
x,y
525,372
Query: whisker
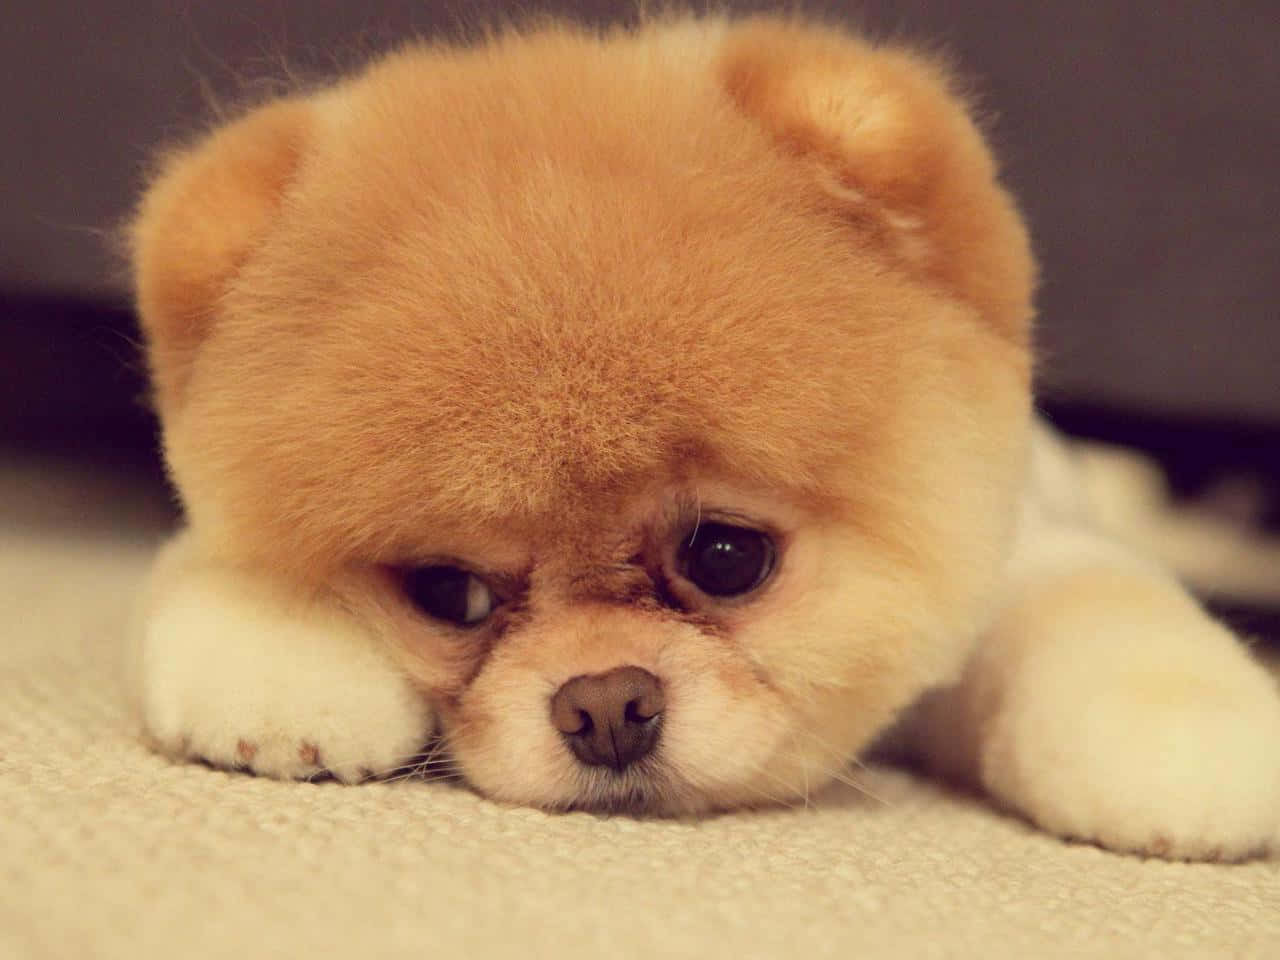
x,y
862,788
804,769
429,776
839,772
432,760
697,521
759,770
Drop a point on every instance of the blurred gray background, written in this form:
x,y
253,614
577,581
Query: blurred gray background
x,y
1142,139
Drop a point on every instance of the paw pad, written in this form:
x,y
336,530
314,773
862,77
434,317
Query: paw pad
x,y
309,754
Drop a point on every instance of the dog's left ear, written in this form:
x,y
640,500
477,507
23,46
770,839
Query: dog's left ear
x,y
894,146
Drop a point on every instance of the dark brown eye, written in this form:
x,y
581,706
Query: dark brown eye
x,y
449,593
726,561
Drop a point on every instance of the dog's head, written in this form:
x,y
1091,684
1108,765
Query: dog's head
x,y
660,398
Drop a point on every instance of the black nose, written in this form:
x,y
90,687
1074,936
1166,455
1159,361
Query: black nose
x,y
610,719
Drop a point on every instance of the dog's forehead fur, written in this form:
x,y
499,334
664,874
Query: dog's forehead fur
x,y
482,318
516,288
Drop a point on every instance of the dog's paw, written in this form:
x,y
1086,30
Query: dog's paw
x,y
243,677
1155,758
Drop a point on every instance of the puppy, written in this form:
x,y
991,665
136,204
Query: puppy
x,y
647,417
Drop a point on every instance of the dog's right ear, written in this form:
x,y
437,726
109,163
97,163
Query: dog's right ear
x,y
897,147
201,218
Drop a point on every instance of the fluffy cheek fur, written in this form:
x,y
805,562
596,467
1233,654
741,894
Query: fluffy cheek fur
x,y
873,611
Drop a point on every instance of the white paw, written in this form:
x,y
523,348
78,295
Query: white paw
x,y
244,677
1176,758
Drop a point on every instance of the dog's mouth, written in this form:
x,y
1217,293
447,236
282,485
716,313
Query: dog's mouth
x,y
644,788
638,790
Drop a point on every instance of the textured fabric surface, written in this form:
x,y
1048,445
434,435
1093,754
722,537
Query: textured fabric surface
x,y
107,850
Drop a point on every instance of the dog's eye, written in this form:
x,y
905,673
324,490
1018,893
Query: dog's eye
x,y
449,593
724,561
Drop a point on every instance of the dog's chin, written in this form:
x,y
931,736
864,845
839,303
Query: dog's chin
x,y
644,789
648,788
655,792
639,792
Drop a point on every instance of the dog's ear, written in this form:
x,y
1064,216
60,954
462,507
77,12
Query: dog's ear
x,y
893,144
202,216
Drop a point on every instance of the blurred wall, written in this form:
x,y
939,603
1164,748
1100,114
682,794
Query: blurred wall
x,y
1143,139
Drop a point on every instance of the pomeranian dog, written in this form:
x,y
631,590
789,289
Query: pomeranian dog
x,y
645,418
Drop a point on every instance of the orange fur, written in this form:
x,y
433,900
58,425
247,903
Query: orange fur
x,y
509,304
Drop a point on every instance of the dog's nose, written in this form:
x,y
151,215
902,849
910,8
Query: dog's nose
x,y
610,719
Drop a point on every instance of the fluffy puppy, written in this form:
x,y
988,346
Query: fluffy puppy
x,y
647,416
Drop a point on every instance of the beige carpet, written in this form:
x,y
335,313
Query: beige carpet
x,y
109,851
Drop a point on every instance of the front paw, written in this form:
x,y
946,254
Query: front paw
x,y
1162,760
243,676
